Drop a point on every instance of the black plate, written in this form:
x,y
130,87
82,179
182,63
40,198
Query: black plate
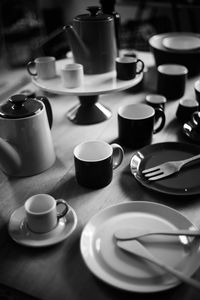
x,y
186,182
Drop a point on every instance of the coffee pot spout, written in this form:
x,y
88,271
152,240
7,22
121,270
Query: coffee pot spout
x,y
10,161
80,52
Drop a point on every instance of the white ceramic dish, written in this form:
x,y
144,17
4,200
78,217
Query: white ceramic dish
x,y
21,234
121,270
92,84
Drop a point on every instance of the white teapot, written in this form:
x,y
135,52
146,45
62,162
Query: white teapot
x,y
26,146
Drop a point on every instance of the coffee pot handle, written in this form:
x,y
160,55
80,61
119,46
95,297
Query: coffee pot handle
x,y
47,104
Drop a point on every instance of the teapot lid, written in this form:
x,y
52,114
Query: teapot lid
x,y
95,15
19,106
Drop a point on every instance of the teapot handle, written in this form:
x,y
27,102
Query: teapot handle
x,y
47,104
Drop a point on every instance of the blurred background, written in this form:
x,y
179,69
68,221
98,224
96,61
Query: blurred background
x,y
26,25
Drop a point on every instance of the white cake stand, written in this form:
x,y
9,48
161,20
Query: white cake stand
x,y
88,110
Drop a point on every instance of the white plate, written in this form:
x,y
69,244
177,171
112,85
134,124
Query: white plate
x,y
92,84
21,234
182,42
118,268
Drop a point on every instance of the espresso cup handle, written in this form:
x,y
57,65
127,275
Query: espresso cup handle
x,y
160,114
65,210
31,64
118,155
141,66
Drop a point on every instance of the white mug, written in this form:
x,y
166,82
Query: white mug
x,y
44,67
72,75
41,212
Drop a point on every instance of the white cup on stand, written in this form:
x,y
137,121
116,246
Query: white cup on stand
x,y
72,75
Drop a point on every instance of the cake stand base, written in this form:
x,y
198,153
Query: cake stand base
x,y
88,111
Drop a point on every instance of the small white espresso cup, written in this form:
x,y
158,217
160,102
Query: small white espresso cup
x,y
41,212
44,67
72,75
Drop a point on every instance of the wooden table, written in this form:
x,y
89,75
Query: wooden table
x,y
58,272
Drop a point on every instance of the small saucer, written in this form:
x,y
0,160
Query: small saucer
x,y
20,233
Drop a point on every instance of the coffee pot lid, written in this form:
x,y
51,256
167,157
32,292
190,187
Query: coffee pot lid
x,y
94,15
19,106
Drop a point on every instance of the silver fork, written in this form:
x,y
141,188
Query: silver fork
x,y
167,168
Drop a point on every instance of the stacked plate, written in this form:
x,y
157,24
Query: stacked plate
x,y
178,48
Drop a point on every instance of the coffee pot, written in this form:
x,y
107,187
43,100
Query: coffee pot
x,y
26,146
92,41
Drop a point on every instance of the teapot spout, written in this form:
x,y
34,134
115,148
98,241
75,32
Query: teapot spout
x,y
10,161
79,50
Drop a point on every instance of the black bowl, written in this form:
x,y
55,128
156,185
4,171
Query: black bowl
x,y
162,55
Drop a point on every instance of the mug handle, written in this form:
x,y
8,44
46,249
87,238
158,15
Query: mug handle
x,y
160,113
29,66
141,66
118,155
65,210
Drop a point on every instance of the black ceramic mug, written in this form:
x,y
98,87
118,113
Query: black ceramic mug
x,y
128,67
95,161
171,80
136,124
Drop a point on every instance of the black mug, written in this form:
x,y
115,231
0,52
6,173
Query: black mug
x,y
128,67
136,124
95,161
171,80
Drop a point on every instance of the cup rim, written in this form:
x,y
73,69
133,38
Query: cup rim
x,y
30,199
78,156
126,60
44,59
158,97
72,67
172,69
139,105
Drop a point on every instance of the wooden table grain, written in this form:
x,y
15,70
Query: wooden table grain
x,y
58,272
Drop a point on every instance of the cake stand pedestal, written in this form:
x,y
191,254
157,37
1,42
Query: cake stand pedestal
x,y
89,110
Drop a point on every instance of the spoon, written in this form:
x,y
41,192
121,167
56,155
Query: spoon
x,y
136,248
134,233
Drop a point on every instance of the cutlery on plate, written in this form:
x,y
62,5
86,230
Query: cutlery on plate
x,y
167,168
135,233
136,248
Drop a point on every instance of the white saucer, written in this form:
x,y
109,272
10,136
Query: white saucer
x,y
182,42
20,233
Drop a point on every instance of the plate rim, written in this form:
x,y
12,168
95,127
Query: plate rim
x,y
151,186
116,284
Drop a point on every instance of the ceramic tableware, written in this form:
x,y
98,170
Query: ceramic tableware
x,y
197,90
128,67
95,162
171,80
166,50
156,100
185,109
138,249
26,146
42,214
106,261
21,234
136,124
191,129
92,41
72,75
44,67
185,183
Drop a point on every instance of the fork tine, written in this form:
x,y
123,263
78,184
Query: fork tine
x,y
158,177
152,174
151,170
